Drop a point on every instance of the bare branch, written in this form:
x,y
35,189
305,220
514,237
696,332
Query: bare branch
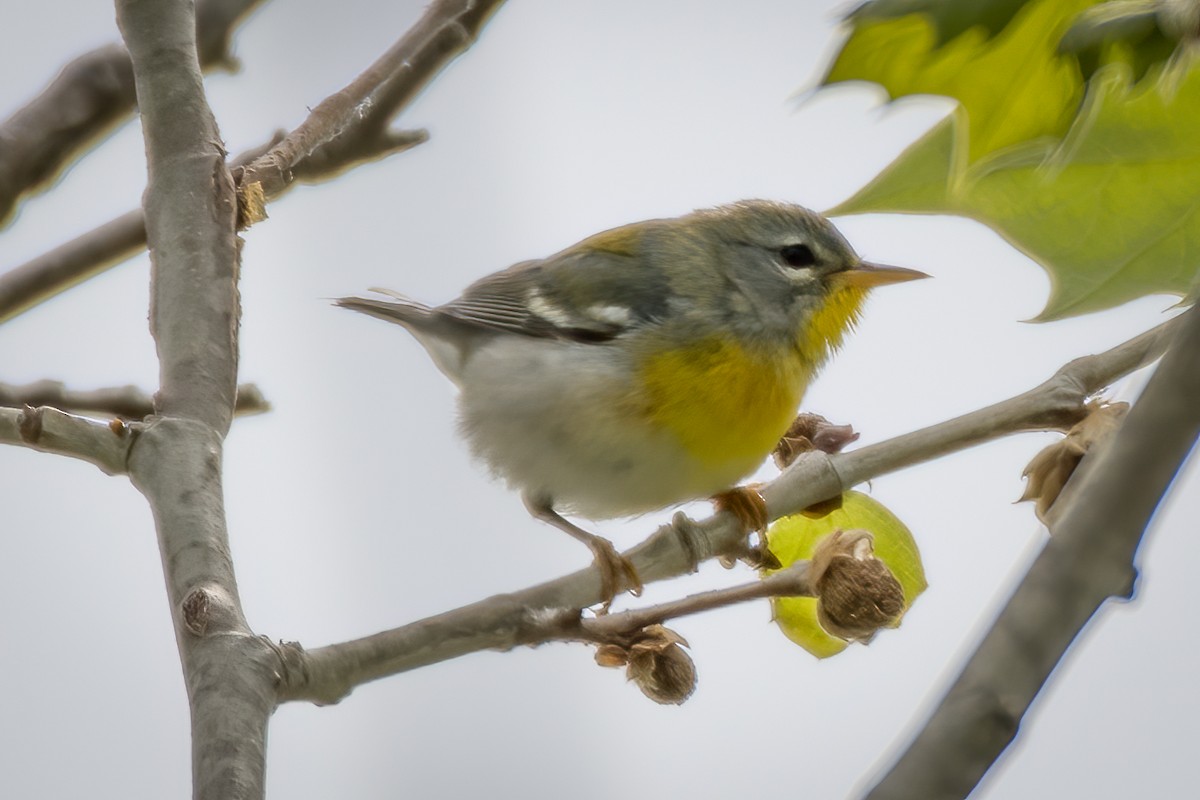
x,y
85,256
86,101
1057,404
351,124
1088,559
326,674
345,130
795,581
127,402
103,443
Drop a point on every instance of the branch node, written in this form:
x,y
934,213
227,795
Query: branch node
x,y
691,537
30,424
195,612
536,626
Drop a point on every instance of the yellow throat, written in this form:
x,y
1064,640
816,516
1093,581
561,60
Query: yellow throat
x,y
726,401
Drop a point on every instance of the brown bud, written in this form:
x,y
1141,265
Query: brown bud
x,y
811,432
612,655
856,592
666,676
1048,472
656,661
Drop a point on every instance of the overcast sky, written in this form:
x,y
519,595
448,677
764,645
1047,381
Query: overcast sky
x,y
353,507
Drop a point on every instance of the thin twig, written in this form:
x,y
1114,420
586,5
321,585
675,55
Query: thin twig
x,y
347,129
361,112
794,581
1055,405
326,674
86,256
127,402
105,443
87,100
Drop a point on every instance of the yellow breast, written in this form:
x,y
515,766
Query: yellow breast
x,y
724,401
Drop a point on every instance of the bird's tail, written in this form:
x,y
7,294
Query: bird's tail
x,y
399,309
445,341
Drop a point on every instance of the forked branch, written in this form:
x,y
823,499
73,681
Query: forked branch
x,y
502,622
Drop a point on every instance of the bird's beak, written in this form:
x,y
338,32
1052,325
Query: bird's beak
x,y
866,275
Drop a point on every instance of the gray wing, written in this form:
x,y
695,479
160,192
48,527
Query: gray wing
x,y
583,297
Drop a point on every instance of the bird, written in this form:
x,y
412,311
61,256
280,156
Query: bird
x,y
646,366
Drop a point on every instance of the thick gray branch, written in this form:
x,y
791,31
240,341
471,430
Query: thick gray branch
x,y
191,213
229,673
1088,559
86,100
190,218
501,622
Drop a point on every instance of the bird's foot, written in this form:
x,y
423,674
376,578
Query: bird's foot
x,y
616,571
747,504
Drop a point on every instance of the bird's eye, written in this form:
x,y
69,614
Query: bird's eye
x,y
798,255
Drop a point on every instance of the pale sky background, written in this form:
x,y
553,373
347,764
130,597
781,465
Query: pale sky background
x,y
353,507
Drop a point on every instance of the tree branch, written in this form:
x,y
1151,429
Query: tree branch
x,y
1056,404
128,402
1088,558
347,129
85,256
326,674
105,444
795,581
86,101
350,125
191,213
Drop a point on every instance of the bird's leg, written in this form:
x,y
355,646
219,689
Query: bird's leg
x,y
616,571
747,504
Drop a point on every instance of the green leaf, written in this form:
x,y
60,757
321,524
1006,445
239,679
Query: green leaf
x,y
949,19
919,180
1144,34
1111,212
795,538
1014,85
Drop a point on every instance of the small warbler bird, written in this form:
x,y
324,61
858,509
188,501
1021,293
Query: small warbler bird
x,y
647,365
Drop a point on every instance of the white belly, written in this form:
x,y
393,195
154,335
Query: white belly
x,y
521,413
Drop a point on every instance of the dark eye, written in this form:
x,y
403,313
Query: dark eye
x,y
798,255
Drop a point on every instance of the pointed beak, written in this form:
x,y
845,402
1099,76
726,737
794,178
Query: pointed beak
x,y
866,275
